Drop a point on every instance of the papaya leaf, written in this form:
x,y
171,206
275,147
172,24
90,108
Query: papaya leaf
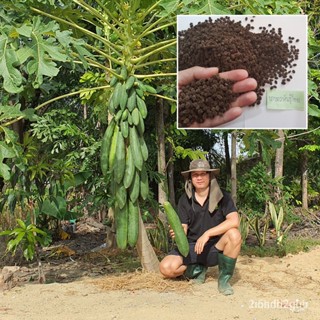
x,y
5,151
4,171
29,114
313,89
169,6
41,50
12,78
9,135
212,7
10,112
313,110
25,30
23,54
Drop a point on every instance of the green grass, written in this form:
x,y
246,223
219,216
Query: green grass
x,y
297,245
291,246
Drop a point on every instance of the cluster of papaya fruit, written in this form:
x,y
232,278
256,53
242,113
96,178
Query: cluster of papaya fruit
x,y
124,153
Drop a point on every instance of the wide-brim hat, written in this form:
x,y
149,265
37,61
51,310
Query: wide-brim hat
x,y
199,165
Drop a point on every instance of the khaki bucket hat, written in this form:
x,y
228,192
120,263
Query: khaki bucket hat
x,y
199,165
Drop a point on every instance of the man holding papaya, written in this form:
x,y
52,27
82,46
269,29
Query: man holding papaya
x,y
210,221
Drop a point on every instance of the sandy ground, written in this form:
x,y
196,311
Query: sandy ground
x,y
265,288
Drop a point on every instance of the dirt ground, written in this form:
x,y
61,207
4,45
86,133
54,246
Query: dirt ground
x,y
83,282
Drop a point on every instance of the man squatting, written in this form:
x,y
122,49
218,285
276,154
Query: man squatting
x,y
210,221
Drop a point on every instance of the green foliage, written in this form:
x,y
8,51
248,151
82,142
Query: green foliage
x,y
277,220
256,188
26,237
157,234
6,152
265,251
299,244
260,227
264,7
9,148
31,51
263,140
59,145
60,130
183,153
195,7
39,56
294,246
55,204
313,10
244,227
56,159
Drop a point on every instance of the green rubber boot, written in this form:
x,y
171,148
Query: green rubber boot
x,y
226,269
196,272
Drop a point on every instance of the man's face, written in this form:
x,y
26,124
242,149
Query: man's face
x,y
200,179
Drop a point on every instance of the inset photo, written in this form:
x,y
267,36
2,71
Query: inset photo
x,y
242,72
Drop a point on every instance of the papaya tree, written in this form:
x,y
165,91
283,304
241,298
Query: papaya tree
x,y
131,44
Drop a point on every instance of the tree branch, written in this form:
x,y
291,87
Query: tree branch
x,y
154,62
142,58
73,25
56,99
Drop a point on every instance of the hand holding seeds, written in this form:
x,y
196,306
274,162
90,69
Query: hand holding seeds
x,y
208,98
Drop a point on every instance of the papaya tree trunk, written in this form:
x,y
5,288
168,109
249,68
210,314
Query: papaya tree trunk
x,y
162,187
148,258
172,195
234,167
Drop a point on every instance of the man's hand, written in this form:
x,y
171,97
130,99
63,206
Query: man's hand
x,y
243,85
171,233
201,242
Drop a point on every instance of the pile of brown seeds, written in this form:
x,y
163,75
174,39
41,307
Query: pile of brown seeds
x,y
229,45
204,98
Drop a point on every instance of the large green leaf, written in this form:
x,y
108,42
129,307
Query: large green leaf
x,y
313,89
313,110
61,203
42,49
5,151
212,7
4,171
49,208
169,5
12,78
10,112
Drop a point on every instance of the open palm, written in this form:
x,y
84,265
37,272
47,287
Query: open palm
x,y
243,85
